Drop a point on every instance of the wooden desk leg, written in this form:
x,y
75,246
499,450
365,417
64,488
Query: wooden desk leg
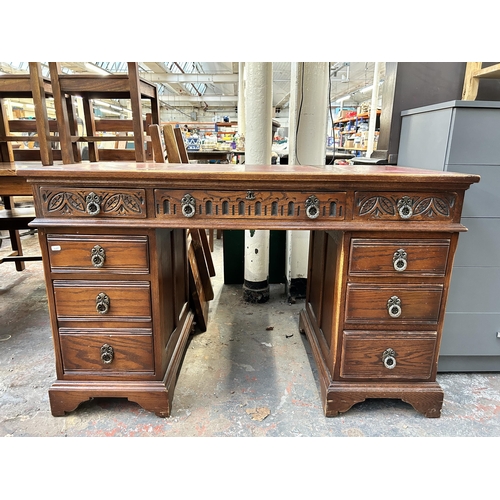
x,y
15,242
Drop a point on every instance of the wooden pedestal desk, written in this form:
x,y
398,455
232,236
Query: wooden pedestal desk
x,y
381,253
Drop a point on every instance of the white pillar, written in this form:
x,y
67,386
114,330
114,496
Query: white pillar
x,y
373,110
241,99
309,101
258,143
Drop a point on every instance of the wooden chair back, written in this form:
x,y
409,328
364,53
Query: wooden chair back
x,y
42,130
113,86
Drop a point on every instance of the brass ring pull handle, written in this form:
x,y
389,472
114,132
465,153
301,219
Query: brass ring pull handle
x,y
102,303
98,256
405,207
93,204
312,207
399,260
389,358
394,307
188,205
107,354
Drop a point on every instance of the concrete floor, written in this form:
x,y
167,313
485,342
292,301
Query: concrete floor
x,y
250,374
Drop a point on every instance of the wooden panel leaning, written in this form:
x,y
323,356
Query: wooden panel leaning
x,y
200,258
113,86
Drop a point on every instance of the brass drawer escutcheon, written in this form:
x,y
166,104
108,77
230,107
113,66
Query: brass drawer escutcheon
x,y
102,303
389,358
312,207
394,307
188,205
107,354
98,256
400,260
93,204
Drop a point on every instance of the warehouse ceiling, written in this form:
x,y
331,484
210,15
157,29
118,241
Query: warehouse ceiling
x,y
213,86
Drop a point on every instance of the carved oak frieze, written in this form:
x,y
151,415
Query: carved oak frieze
x,y
403,206
75,202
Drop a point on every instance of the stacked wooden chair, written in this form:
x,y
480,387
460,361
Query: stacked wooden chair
x,y
28,86
41,130
113,86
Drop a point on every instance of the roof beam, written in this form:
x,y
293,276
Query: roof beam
x,y
198,99
190,78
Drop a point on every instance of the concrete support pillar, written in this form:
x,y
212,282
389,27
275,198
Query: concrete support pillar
x,y
309,101
373,110
241,99
258,143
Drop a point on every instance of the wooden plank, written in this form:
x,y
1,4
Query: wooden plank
x,y
6,153
117,154
173,155
201,262
73,125
207,248
158,151
471,84
41,117
61,114
149,148
135,101
34,154
180,145
196,290
116,125
492,72
28,126
90,129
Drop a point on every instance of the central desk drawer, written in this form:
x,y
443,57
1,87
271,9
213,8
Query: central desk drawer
x,y
95,253
107,351
399,257
102,300
393,304
388,355
211,204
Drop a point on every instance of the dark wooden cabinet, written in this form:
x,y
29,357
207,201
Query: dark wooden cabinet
x,y
116,265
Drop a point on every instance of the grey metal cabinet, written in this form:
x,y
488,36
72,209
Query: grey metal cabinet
x,y
464,136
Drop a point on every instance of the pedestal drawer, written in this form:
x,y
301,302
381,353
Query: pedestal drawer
x,y
107,350
95,253
102,300
393,304
388,355
398,257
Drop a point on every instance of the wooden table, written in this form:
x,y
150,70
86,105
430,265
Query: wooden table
x,y
211,155
13,219
113,240
10,183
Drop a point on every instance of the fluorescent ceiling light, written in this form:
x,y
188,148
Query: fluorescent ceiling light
x,y
95,69
110,112
369,87
345,98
